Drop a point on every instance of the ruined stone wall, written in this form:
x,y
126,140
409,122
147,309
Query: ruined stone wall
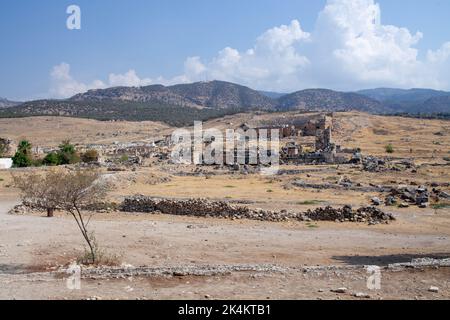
x,y
323,139
221,209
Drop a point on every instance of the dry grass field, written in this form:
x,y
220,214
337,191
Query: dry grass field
x,y
411,138
50,131
415,138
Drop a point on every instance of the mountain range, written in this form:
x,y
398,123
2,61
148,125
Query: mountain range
x,y
412,101
4,103
328,100
217,98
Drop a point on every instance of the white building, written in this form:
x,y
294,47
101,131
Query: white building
x,y
6,163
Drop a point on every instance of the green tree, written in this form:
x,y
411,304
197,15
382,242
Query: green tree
x,y
22,157
24,146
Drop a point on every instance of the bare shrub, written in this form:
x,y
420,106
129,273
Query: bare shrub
x,y
70,191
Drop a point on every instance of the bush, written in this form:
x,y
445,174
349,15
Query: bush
x,y
51,159
90,156
37,162
389,148
68,158
67,153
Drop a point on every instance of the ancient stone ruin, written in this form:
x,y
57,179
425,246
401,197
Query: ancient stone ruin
x,y
296,147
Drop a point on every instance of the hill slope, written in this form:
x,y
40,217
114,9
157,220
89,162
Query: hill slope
x,y
272,95
213,94
411,101
434,105
176,105
328,100
4,103
115,110
397,95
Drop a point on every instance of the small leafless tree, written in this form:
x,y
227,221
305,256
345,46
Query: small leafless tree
x,y
70,191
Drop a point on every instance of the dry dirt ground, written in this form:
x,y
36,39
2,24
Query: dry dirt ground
x,y
33,247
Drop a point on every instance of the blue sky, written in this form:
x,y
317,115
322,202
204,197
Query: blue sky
x,y
156,37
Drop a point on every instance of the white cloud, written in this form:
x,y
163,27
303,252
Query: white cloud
x,y
352,47
128,79
349,48
64,85
441,55
273,58
194,66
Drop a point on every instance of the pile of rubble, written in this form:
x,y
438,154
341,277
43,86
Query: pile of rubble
x,y
126,161
374,164
439,194
371,215
342,184
408,195
221,209
411,195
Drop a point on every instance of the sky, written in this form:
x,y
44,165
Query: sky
x,y
273,45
